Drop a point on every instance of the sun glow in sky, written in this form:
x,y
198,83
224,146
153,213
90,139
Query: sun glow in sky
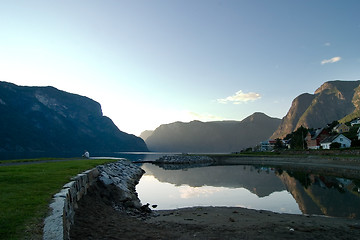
x,y
153,62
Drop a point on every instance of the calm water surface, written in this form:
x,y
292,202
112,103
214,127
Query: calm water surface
x,y
251,187
132,156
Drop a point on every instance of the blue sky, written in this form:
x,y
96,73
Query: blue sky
x,y
154,62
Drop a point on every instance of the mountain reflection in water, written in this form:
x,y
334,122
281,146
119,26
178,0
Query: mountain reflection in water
x,y
250,187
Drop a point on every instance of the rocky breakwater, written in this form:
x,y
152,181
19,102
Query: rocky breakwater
x,y
113,183
184,159
117,183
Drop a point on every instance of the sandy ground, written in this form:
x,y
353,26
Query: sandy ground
x,y
97,220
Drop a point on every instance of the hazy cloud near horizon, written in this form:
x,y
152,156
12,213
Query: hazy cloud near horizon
x,y
240,97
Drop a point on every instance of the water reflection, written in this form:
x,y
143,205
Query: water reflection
x,y
324,195
253,187
256,180
243,186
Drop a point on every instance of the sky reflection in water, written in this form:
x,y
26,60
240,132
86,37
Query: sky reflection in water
x,y
283,191
210,186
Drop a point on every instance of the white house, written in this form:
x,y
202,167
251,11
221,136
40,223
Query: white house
x,y
355,122
344,141
267,146
358,133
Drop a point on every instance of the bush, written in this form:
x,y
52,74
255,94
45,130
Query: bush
x,y
335,145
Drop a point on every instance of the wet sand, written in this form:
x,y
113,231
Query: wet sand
x,y
96,220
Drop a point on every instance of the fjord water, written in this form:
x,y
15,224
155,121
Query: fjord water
x,y
252,187
132,156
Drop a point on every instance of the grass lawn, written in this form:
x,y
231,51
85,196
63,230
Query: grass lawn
x,y
26,191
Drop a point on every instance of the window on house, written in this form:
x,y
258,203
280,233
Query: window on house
x,y
341,139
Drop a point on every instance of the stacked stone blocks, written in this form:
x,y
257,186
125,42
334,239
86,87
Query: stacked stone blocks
x,y
57,225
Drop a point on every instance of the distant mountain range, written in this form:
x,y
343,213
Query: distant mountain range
x,y
38,119
333,101
45,119
210,137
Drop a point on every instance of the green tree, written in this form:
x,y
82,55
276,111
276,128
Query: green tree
x,y
335,145
298,138
278,144
352,134
331,126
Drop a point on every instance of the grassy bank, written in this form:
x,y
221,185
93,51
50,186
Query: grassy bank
x,y
26,191
33,160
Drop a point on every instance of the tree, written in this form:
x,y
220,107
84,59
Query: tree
x,y
352,134
298,138
331,126
335,145
355,143
278,144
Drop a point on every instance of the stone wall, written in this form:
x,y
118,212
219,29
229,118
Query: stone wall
x,y
57,225
122,175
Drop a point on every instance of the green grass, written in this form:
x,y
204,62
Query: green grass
x,y
27,190
243,154
33,160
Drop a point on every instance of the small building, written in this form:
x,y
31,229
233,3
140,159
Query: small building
x,y
287,143
267,145
341,128
314,138
264,146
358,133
344,141
355,122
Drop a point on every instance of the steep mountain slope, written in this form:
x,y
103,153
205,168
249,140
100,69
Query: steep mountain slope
x,y
219,136
145,134
334,100
47,119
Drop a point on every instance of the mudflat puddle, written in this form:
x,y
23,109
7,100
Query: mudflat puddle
x,y
253,187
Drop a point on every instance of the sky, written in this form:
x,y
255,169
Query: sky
x,y
152,62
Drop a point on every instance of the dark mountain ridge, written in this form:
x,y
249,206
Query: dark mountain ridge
x,y
210,137
46,119
332,101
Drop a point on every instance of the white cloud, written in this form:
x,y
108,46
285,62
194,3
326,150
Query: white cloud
x,y
327,44
240,97
331,60
193,192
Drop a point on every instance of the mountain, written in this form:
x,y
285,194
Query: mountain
x,y
333,101
46,119
218,136
145,134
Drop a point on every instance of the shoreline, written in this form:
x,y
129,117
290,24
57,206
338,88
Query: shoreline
x,y
96,219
